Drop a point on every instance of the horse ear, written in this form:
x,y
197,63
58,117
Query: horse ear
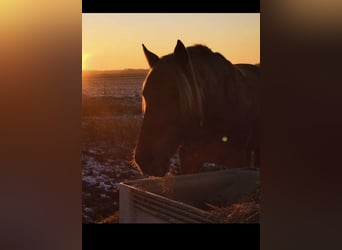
x,y
151,57
181,55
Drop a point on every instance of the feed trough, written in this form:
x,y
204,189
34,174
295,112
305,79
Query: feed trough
x,y
183,198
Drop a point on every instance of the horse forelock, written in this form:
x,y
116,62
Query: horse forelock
x,y
191,98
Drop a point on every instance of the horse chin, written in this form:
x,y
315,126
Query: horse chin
x,y
158,170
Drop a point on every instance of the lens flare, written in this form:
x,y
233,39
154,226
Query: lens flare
x,y
224,139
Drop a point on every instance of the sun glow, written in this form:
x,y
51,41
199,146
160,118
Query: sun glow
x,y
84,60
114,39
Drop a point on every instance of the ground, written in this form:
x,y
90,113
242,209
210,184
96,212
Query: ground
x,y
110,128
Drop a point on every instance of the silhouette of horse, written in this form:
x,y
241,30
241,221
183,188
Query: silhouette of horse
x,y
198,101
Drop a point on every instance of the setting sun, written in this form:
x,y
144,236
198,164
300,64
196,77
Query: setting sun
x,y
84,60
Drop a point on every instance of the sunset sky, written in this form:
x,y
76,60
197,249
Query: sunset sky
x,y
113,41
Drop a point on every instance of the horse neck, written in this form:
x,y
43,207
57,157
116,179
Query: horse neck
x,y
224,109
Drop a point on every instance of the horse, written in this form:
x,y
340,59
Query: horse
x,y
196,101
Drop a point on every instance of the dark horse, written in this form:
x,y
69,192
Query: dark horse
x,y
199,102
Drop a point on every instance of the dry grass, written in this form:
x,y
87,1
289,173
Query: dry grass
x,y
112,124
167,184
110,106
113,219
246,210
110,131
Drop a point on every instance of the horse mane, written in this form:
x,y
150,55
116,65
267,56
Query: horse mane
x,y
213,81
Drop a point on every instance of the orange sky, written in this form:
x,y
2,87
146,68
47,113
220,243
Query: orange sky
x,y
113,41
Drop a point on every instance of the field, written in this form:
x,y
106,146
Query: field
x,y
108,142
111,119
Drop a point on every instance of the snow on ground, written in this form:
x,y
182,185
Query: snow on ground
x,y
101,185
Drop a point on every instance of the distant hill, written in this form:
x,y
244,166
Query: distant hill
x,y
111,73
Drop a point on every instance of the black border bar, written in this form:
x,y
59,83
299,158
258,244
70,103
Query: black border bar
x,y
235,6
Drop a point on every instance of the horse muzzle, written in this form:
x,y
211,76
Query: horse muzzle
x,y
152,166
